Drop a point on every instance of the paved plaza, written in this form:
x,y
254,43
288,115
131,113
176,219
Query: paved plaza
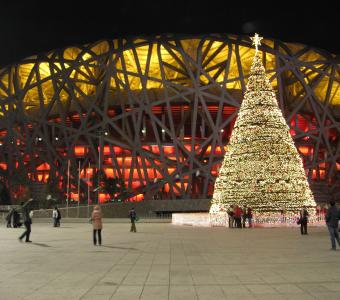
x,y
164,261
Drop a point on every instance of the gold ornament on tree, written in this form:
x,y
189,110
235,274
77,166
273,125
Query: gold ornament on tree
x,y
262,168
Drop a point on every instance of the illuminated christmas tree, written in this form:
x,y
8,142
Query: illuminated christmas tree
x,y
262,168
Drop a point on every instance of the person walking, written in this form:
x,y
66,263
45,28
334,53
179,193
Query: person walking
x,y
55,217
97,223
244,216
58,217
27,221
303,220
16,219
133,217
332,221
9,218
231,216
250,217
238,216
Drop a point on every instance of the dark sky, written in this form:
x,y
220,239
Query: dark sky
x,y
32,27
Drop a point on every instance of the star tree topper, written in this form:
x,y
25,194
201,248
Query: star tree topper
x,y
256,41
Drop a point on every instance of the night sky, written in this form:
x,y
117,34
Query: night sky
x,y
32,27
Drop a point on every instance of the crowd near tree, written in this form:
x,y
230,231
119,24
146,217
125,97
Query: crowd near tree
x,y
240,217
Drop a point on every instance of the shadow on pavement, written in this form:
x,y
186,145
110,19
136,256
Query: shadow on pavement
x,y
61,240
123,248
41,245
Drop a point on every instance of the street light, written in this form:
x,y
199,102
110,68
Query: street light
x,y
100,134
88,190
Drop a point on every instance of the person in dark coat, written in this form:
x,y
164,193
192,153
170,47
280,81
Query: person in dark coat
x,y
58,217
133,217
16,219
332,221
250,216
27,221
231,216
303,220
9,218
244,216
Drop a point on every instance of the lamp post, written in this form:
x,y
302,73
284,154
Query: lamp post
x,y
100,134
68,187
88,190
78,189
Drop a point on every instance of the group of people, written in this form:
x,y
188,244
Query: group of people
x,y
96,220
238,216
332,218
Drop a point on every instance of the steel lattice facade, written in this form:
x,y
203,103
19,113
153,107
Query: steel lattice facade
x,y
157,112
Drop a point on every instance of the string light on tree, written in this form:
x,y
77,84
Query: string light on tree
x,y
262,167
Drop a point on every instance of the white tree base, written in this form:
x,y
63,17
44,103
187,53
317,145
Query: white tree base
x,y
222,220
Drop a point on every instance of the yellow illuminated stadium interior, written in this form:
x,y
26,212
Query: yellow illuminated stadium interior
x,y
142,64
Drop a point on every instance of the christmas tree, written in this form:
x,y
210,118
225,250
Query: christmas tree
x,y
262,168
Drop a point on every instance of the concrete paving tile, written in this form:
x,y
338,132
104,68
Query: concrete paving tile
x,y
53,294
158,274
102,290
327,296
287,288
135,279
12,293
297,296
234,290
272,279
313,288
168,261
161,259
201,276
96,297
249,279
220,279
260,289
155,292
208,292
270,297
128,292
241,297
182,292
180,275
137,275
332,286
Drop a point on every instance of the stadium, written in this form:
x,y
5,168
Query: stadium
x,y
152,116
